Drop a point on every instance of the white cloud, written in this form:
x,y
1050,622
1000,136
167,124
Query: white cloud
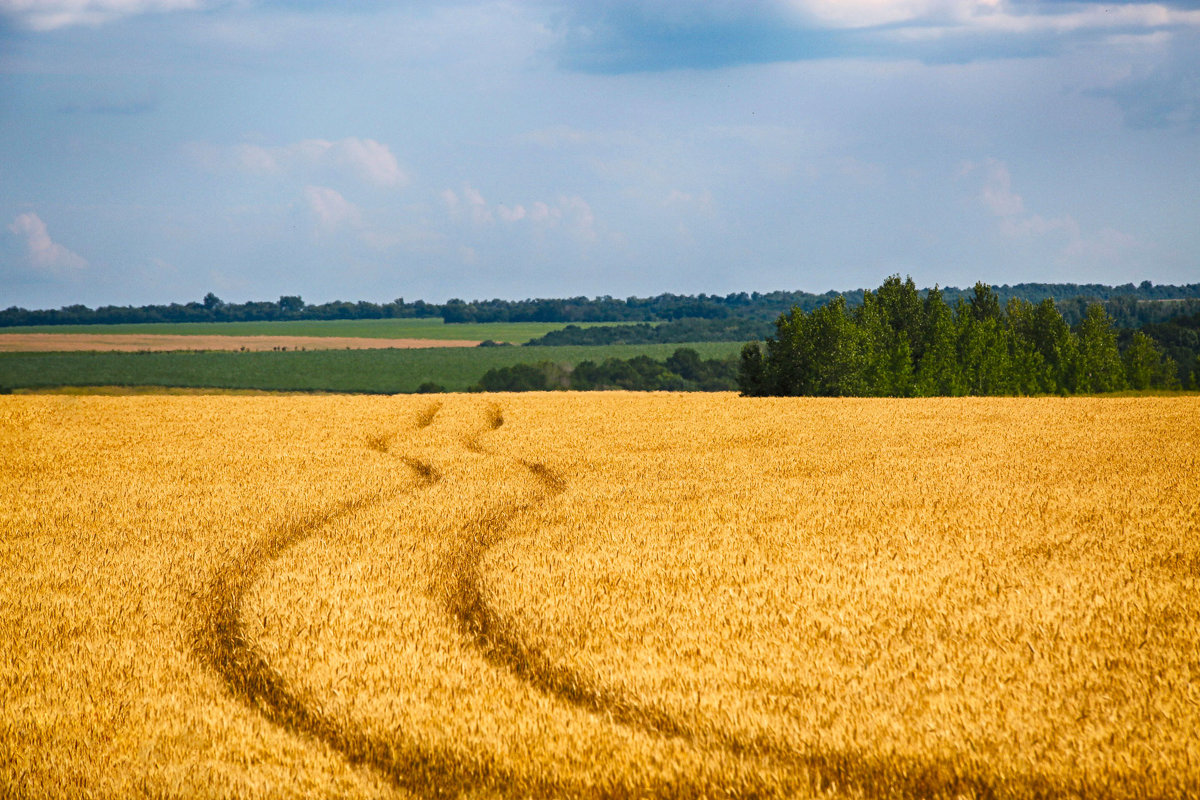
x,y
330,209
997,194
572,213
916,18
511,214
364,159
541,212
44,253
998,197
47,15
480,213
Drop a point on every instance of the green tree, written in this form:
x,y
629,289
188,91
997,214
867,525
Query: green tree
x,y
686,363
291,304
1099,362
1147,366
1031,374
886,349
938,371
904,311
838,343
1058,346
752,371
984,303
983,350
790,367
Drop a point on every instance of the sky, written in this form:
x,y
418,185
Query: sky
x,y
153,151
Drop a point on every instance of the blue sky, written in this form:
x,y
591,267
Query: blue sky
x,y
156,150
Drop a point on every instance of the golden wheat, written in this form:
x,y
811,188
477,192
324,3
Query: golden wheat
x,y
607,595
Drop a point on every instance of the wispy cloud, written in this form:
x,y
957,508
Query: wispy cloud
x,y
364,159
1166,91
570,212
43,252
330,210
1015,222
47,15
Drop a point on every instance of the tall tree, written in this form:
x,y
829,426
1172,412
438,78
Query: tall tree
x,y
1147,366
1031,373
938,372
838,371
984,303
752,371
1100,368
983,350
887,358
791,357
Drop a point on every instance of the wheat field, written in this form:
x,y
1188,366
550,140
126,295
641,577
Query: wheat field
x,y
599,595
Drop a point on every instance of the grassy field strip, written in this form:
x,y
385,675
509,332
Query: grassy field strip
x,y
374,371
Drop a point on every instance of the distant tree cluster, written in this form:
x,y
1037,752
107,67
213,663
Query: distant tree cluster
x,y
1130,305
214,309
898,343
725,329
683,371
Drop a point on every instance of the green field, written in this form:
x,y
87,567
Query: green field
x,y
380,371
405,328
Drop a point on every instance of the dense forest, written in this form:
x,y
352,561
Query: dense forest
x,y
901,342
1129,305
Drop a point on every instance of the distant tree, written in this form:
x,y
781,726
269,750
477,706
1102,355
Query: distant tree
x,y
984,303
752,373
685,362
517,378
291,304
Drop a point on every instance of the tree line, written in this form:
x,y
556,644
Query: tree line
x,y
736,329
1129,305
683,371
900,343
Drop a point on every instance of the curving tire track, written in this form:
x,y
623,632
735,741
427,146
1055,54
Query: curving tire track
x,y
501,644
220,642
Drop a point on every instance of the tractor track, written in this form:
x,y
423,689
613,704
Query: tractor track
x,y
220,642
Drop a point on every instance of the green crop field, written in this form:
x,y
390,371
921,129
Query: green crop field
x,y
384,371
405,328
